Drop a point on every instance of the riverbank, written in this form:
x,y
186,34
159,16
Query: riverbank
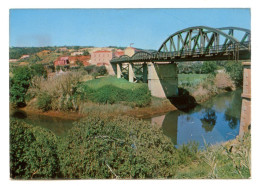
x,y
157,107
202,87
194,89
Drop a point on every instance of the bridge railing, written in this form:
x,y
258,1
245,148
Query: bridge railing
x,y
188,52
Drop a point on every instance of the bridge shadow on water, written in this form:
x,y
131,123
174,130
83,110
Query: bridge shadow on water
x,y
184,102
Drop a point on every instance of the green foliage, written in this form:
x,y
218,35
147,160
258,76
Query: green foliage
x,y
209,67
90,68
112,90
76,47
101,70
191,79
79,63
122,147
235,70
96,70
38,70
17,52
44,101
19,85
33,152
118,148
85,53
33,58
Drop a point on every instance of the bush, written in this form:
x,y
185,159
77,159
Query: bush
x,y
58,92
33,152
235,70
44,101
209,67
99,147
96,70
101,70
19,85
112,90
38,70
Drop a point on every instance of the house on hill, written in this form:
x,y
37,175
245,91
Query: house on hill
x,y
24,56
130,51
103,57
85,60
119,53
62,61
63,49
76,53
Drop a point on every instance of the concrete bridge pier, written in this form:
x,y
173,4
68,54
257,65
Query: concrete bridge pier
x,y
145,73
119,70
163,79
131,74
245,120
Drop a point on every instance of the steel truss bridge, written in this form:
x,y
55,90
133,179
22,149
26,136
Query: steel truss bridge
x,y
198,43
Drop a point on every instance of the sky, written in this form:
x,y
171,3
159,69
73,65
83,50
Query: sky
x,y
146,28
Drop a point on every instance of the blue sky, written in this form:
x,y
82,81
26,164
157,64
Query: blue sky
x,y
146,28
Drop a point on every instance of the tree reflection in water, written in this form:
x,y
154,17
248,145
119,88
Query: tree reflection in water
x,y
209,119
232,113
232,121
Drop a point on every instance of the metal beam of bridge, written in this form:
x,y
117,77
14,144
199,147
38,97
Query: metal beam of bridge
x,y
199,43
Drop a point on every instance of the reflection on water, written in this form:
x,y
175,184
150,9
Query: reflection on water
x,y
216,120
57,125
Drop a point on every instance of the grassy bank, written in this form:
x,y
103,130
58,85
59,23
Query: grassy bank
x,y
74,91
204,86
113,90
119,147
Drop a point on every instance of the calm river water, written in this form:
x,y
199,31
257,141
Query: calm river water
x,y
214,121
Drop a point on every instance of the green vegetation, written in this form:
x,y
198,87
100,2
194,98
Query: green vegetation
x,y
21,80
235,70
112,90
206,67
17,52
33,152
96,70
86,53
209,67
19,85
121,147
191,79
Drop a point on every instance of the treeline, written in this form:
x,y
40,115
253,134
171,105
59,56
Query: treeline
x,y
17,52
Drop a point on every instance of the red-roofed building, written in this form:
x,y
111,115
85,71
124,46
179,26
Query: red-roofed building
x,y
130,51
62,61
103,57
119,53
83,59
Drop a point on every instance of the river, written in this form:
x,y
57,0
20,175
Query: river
x,y
214,121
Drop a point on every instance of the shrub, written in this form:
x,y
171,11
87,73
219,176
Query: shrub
x,y
101,70
96,70
235,70
38,70
112,90
209,67
33,152
57,93
44,101
124,147
19,85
